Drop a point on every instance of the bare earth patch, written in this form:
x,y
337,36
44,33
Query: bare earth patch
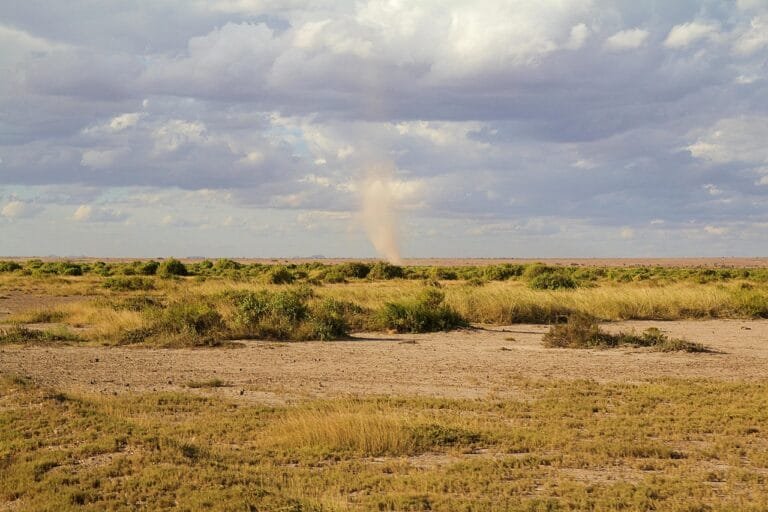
x,y
472,363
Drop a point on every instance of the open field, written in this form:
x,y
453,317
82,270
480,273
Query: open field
x,y
124,390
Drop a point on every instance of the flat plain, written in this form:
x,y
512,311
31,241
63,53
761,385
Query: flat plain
x,y
482,416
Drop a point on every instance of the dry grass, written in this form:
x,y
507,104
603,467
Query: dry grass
x,y
673,445
117,316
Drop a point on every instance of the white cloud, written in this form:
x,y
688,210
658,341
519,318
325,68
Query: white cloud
x,y
579,34
715,230
176,133
712,189
439,134
19,209
83,213
737,139
585,164
687,33
123,121
88,213
627,39
754,38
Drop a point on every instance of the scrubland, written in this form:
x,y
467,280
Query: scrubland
x,y
562,440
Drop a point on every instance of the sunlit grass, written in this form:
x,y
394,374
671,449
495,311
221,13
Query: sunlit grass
x,y
672,445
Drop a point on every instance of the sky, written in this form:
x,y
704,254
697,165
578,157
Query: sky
x,y
250,128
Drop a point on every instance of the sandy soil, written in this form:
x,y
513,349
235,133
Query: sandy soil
x,y
464,364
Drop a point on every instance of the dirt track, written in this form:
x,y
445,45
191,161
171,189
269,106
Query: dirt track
x,y
471,364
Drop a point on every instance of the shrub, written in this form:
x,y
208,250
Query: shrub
x,y
502,272
443,274
583,331
381,270
288,314
9,266
129,283
280,275
355,269
425,313
197,318
552,281
271,314
148,268
580,331
172,267
334,275
227,264
328,321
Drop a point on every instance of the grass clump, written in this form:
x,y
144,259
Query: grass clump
x,y
583,331
426,313
18,334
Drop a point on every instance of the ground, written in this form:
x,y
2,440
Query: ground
x,y
472,363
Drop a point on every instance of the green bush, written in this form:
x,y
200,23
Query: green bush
x,y
354,269
327,321
289,314
425,313
148,268
381,270
502,272
552,281
196,319
227,264
9,266
280,275
334,275
266,314
443,274
129,283
172,267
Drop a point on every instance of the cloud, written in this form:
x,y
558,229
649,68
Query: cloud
x,y
754,38
627,39
579,34
716,230
492,114
16,209
88,213
176,133
688,33
736,139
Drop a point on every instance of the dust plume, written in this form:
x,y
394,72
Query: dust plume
x,y
378,207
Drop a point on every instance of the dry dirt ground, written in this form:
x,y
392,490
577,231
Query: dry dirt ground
x,y
476,363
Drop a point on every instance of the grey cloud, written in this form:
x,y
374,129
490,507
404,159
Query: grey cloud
x,y
518,122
